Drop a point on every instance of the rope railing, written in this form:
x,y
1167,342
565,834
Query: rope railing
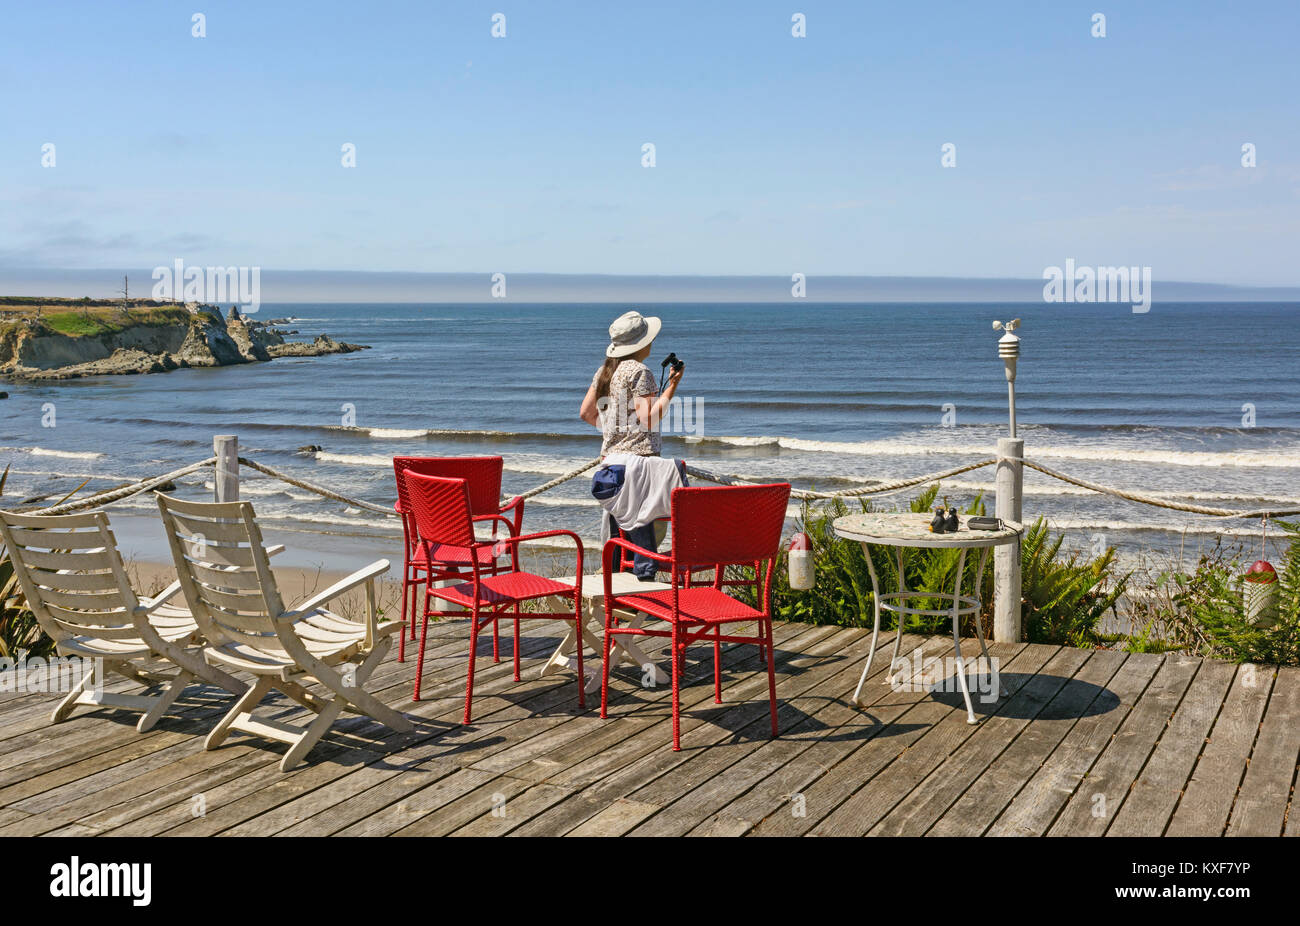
x,y
1160,503
312,487
144,485
847,493
122,492
546,486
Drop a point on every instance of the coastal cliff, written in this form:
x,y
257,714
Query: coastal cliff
x,y
60,339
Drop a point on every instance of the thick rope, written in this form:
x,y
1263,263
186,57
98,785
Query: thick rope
x,y
123,492
848,493
144,485
557,480
319,490
1160,503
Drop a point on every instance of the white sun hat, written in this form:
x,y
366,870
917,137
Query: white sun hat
x,y
630,332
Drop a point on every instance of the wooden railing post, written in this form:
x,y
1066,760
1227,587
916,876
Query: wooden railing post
x,y
1007,625
225,479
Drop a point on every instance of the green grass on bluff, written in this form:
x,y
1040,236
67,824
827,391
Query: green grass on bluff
x,y
79,321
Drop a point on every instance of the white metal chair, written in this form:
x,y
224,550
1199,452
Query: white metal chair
x,y
71,572
226,577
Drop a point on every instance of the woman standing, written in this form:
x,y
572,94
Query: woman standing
x,y
623,401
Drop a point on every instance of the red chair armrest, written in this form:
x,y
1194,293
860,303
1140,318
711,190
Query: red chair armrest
x,y
539,535
511,528
607,559
517,505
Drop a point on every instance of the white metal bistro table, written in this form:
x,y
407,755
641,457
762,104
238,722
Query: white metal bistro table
x,y
593,609
911,529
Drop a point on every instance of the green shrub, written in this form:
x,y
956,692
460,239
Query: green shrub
x,y
1203,612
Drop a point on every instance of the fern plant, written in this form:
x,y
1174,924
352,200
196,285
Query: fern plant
x,y
1064,600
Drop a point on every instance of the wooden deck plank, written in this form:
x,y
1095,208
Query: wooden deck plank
x,y
940,738
1212,788
131,779
809,753
369,804
376,803
655,758
823,714
527,804
240,799
704,770
716,779
96,739
616,819
213,769
984,793
1100,796
534,764
904,717
1155,794
1033,810
648,731
1268,784
261,793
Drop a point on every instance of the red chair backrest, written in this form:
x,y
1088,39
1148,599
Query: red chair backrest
x,y
728,525
441,509
482,473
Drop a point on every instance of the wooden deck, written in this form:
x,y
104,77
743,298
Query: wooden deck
x,y
1087,742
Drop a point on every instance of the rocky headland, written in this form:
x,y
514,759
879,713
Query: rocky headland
x,y
53,339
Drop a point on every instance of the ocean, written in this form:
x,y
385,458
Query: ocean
x,y
1195,402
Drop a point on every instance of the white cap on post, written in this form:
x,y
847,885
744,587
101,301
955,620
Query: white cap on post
x,y
1009,350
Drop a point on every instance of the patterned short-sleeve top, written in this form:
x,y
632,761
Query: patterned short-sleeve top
x,y
623,430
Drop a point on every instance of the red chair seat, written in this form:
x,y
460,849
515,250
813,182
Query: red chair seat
x,y
703,605
446,555
504,589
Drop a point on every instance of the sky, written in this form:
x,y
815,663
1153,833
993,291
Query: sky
x,y
774,154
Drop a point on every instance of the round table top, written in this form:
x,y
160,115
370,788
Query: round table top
x,y
912,529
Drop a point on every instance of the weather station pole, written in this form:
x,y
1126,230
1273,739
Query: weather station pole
x,y
1007,622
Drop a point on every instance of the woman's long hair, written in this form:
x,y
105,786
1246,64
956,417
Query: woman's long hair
x,y
606,374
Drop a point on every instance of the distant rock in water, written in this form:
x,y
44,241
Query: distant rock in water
x,y
69,339
323,344
310,448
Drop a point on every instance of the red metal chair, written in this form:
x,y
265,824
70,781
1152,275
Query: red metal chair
x,y
443,519
484,477
712,527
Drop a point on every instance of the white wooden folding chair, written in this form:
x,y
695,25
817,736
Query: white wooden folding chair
x,y
227,580
71,572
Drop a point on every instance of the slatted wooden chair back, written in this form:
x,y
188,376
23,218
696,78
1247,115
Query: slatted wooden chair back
x,y
71,572
225,573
